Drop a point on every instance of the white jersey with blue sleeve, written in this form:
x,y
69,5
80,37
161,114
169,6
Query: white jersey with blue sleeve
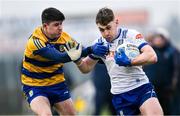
x,y
123,78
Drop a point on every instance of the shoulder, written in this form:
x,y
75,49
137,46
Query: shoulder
x,y
65,34
35,43
132,33
100,39
65,37
38,34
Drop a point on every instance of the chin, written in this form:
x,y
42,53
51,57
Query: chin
x,y
108,39
57,36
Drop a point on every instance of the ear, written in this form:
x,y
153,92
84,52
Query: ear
x,y
117,21
44,25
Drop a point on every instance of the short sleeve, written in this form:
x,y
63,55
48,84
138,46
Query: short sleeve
x,y
137,38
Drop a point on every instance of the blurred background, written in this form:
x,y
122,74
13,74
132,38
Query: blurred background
x,y
18,18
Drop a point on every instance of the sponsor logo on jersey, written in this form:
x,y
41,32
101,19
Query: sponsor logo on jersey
x,y
120,42
61,48
31,93
139,36
131,45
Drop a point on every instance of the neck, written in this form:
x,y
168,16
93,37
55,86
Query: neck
x,y
46,34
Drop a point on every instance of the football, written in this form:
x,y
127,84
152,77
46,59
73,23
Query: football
x,y
131,50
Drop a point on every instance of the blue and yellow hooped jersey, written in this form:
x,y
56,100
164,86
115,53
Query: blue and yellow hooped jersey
x,y
39,71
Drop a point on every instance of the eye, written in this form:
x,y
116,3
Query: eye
x,y
56,24
101,29
108,27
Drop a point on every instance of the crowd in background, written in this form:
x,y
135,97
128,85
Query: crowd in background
x,y
165,74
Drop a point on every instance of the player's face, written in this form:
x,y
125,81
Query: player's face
x,y
109,31
54,29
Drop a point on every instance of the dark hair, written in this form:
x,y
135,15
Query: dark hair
x,y
104,16
52,14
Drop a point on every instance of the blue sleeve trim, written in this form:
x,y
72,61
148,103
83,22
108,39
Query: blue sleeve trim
x,y
41,75
142,45
86,51
93,57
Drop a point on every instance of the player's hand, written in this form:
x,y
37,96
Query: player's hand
x,y
99,49
121,59
74,52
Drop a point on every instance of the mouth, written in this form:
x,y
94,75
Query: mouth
x,y
108,38
60,32
58,35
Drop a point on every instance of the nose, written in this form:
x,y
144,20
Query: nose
x,y
106,32
60,27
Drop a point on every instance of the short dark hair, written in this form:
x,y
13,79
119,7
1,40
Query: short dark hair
x,y
52,14
104,16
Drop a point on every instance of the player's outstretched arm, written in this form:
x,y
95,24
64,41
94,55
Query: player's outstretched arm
x,y
38,47
87,64
147,56
53,54
97,49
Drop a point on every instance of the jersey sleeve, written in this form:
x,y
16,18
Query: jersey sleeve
x,y
35,44
38,47
137,38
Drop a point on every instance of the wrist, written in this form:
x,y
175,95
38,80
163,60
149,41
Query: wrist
x,y
90,49
94,57
130,62
79,62
86,51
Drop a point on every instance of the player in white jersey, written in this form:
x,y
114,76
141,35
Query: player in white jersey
x,y
131,77
132,92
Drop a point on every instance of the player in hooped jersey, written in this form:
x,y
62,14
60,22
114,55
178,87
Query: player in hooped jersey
x,y
42,74
133,94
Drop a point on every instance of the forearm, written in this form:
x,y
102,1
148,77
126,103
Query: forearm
x,y
144,58
86,65
147,56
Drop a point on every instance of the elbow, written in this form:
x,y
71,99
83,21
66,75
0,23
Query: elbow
x,y
85,71
154,59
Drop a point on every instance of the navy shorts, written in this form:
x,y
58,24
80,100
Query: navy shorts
x,y
55,93
128,103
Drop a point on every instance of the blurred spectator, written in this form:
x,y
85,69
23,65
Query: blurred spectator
x,y
102,85
164,74
176,100
149,36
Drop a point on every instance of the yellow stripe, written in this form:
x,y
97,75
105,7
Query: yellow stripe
x,y
37,69
42,82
